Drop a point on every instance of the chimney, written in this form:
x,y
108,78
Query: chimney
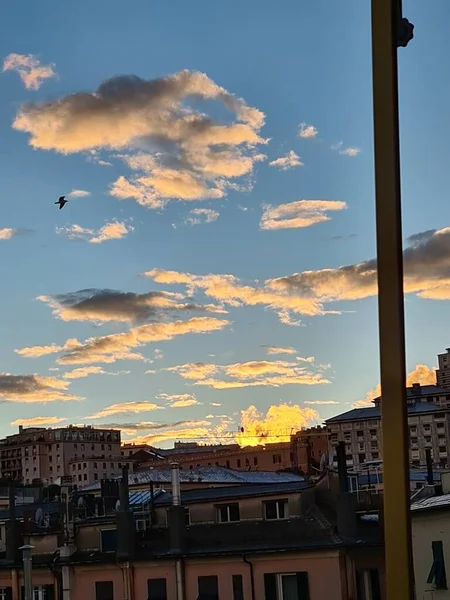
x,y
346,501
20,428
430,476
416,387
13,537
177,513
125,525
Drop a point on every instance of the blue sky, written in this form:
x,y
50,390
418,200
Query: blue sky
x,y
206,202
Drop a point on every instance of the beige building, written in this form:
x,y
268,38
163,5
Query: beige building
x,y
37,453
429,427
443,372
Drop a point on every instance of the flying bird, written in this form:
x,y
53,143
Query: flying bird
x,y
62,201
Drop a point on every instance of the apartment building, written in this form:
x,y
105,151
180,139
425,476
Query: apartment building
x,y
429,427
94,468
37,453
443,372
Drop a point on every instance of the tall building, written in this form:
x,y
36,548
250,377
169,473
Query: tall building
x,y
443,372
37,453
428,420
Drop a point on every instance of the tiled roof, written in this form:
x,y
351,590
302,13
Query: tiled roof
x,y
373,412
204,475
239,491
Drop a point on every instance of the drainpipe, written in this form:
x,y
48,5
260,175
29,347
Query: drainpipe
x,y
176,501
27,571
252,575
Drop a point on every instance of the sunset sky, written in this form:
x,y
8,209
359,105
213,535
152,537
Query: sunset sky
x,y
217,251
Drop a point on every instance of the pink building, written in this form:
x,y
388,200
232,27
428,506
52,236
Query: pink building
x,y
37,453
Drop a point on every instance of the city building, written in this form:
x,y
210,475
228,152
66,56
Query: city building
x,y
443,371
429,427
243,542
91,469
37,453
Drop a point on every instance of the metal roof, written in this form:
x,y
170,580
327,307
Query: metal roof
x,y
139,497
433,502
204,475
373,412
238,491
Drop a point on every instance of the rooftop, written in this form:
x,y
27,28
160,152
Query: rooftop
x,y
432,503
217,475
373,412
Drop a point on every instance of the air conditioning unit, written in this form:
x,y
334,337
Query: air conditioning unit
x,y
141,525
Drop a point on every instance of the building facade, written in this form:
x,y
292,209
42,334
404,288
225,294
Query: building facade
x,y
443,372
37,453
429,427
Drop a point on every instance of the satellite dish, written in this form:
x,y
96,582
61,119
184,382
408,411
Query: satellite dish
x,y
117,505
39,516
80,502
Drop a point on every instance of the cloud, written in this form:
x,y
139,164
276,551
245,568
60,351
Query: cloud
x,y
290,160
321,402
301,213
103,305
110,231
38,421
125,408
227,289
202,215
273,350
173,149
276,425
249,374
349,151
420,374
30,70
79,194
8,233
33,388
215,403
84,372
306,131
179,400
158,433
158,354
119,346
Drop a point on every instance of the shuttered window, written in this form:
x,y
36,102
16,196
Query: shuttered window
x,y
286,586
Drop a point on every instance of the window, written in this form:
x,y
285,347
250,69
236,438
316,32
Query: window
x,y
208,588
228,513
79,477
157,589
112,465
255,461
43,592
95,476
85,476
228,464
5,593
95,465
108,539
368,585
75,447
238,587
276,458
104,465
238,462
437,575
276,509
79,466
104,590
286,586
361,458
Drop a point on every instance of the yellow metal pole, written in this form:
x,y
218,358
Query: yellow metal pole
x,y
386,15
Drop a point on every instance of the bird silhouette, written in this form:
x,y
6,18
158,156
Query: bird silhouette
x,y
62,201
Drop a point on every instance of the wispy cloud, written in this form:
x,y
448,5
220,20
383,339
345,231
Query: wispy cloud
x,y
125,408
215,403
120,346
249,374
346,151
79,194
197,216
110,231
84,372
102,306
31,71
179,400
34,388
184,154
301,213
7,233
38,421
290,160
306,131
321,402
273,350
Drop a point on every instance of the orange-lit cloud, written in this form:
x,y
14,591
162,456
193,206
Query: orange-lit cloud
x,y
298,214
306,131
120,346
31,71
79,194
274,350
321,402
179,400
420,374
115,230
38,421
34,388
125,408
289,161
84,372
249,374
184,154
276,425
